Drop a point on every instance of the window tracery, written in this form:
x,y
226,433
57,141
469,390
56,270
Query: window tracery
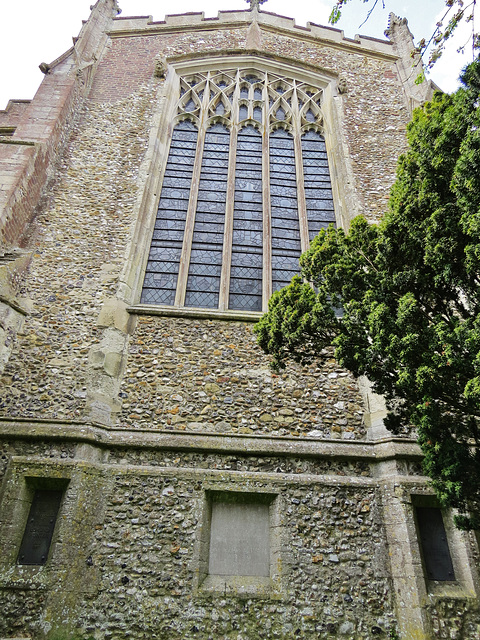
x,y
246,187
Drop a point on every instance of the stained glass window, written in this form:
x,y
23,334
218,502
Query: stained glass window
x,y
233,219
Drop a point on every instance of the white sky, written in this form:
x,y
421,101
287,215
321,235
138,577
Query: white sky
x,y
35,31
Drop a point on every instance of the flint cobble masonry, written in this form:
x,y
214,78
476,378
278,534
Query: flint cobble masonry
x,y
211,376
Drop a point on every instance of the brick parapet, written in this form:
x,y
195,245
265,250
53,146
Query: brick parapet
x,y
10,116
46,121
239,19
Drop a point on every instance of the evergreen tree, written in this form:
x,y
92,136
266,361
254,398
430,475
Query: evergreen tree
x,y
409,289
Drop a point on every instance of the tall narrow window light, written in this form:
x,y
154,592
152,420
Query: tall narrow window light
x,y
165,252
246,188
203,284
286,247
247,242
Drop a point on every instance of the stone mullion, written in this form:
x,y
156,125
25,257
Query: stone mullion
x,y
267,222
230,203
192,202
301,199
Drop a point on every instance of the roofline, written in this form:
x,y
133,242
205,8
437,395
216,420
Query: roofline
x,y
135,26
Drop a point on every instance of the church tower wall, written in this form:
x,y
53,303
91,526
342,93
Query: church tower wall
x,y
201,494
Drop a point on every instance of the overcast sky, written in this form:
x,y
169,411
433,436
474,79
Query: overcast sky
x,y
34,31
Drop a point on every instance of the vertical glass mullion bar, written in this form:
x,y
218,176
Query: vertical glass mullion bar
x,y
203,284
286,246
229,208
267,225
161,273
318,190
301,200
247,243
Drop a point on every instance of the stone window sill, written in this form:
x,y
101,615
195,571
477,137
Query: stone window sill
x,y
454,590
24,577
240,586
187,312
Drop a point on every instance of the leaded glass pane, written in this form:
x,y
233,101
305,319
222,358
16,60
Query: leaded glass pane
x,y
164,258
247,243
203,283
318,190
286,247
257,114
252,90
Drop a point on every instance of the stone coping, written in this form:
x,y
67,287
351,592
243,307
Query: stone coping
x,y
144,25
10,140
105,437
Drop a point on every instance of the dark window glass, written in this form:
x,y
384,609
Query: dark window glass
x,y
318,190
434,544
40,525
246,278
162,267
247,243
286,246
203,284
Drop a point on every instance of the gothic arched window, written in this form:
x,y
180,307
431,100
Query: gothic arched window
x,y
246,187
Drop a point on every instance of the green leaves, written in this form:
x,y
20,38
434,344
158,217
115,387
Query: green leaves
x,y
409,288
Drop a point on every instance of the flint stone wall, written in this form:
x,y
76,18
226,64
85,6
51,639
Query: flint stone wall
x,y
85,231
78,254
211,376
333,564
126,562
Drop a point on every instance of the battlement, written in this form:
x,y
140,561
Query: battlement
x,y
145,25
10,116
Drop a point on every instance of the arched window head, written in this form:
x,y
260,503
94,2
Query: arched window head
x,y
246,187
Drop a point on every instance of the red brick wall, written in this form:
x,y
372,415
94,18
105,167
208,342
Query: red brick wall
x,y
128,64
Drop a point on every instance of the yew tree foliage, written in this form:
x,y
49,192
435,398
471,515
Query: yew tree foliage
x,y
409,288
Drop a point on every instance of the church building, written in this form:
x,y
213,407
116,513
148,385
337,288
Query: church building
x,y
158,481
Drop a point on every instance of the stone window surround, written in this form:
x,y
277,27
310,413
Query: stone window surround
x,y
16,503
154,165
240,586
464,585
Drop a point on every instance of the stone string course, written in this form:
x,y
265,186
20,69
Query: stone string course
x,y
45,450
240,463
